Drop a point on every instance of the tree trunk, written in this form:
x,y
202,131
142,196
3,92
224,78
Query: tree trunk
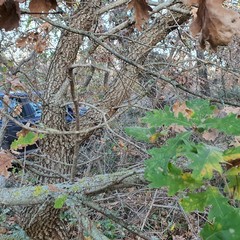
x,y
59,149
43,222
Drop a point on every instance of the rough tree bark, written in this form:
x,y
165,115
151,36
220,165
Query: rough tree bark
x,y
60,148
43,222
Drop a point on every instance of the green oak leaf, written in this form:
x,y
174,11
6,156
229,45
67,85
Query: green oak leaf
x,y
210,197
229,124
139,133
165,117
174,179
223,227
160,157
202,110
233,186
231,154
29,139
205,159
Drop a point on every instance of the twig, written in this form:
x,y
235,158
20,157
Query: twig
x,y
77,125
172,82
110,215
149,210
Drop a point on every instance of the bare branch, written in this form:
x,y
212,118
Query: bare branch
x,y
32,195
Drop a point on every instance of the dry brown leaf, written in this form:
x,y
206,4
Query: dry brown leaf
x,y
29,39
9,15
3,230
70,3
40,45
229,109
191,2
141,9
42,6
16,84
121,144
35,40
45,27
177,128
210,135
17,110
21,42
215,24
182,108
24,131
5,163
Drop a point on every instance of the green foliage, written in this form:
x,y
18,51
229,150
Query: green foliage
x,y
228,124
60,200
166,117
142,134
204,160
187,166
25,140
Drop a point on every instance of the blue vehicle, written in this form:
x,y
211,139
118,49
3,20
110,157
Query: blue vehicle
x,y
30,112
26,114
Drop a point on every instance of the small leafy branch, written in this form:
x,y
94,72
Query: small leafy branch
x,y
25,138
189,167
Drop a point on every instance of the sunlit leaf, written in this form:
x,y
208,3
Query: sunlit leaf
x,y
174,179
60,200
205,159
231,154
24,140
233,186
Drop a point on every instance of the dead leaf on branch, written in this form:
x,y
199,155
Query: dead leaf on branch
x,y
141,9
42,6
5,163
70,3
9,15
23,132
214,23
17,110
35,40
